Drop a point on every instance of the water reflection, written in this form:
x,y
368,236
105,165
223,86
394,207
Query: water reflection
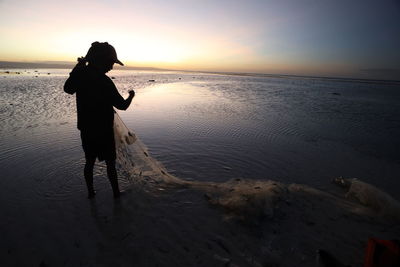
x,y
211,127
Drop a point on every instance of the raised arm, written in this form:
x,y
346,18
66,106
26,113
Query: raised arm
x,y
119,102
70,85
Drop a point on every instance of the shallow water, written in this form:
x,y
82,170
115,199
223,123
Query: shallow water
x,y
206,127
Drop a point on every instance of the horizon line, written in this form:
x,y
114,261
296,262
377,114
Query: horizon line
x,y
70,64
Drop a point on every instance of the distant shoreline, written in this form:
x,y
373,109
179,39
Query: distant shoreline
x,y
70,65
289,76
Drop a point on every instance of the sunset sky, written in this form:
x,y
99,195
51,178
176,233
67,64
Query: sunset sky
x,y
357,38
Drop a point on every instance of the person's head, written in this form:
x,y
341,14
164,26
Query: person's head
x,y
102,56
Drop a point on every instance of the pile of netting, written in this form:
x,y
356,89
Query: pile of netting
x,y
133,158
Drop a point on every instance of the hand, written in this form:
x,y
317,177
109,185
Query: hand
x,y
131,93
81,61
80,65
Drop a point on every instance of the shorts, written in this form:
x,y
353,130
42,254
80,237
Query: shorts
x,y
99,144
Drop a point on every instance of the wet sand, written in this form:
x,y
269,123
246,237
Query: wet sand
x,y
164,221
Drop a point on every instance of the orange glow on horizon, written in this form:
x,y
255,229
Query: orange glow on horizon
x,y
262,37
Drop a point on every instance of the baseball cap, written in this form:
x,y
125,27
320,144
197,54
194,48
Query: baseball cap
x,y
100,51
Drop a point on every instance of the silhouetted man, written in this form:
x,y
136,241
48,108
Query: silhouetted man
x,y
96,95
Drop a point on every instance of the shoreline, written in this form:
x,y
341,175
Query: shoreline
x,y
164,221
238,223
282,219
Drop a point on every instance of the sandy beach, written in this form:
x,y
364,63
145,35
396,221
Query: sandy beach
x,y
162,220
269,225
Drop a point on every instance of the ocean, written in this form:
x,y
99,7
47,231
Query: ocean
x,y
205,127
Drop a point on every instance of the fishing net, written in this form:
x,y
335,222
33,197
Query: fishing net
x,y
134,159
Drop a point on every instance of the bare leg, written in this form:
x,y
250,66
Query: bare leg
x,y
88,173
113,177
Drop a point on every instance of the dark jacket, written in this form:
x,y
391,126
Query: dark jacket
x,y
96,95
